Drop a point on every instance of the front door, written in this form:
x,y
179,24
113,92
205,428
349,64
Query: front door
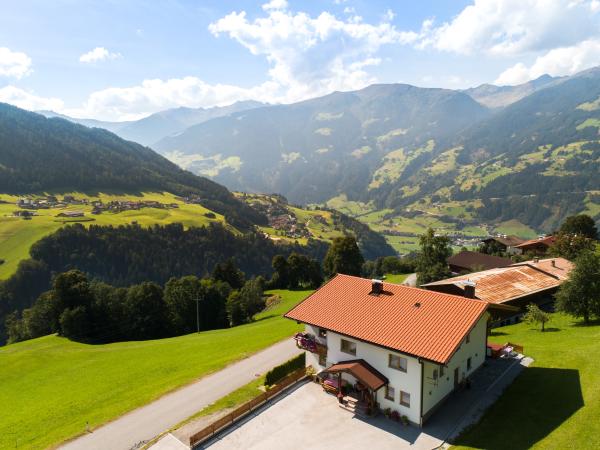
x,y
455,378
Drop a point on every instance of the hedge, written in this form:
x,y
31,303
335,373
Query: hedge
x,y
279,372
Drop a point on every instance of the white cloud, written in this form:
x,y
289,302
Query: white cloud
x,y
27,100
130,103
98,54
275,4
310,56
512,27
556,62
14,64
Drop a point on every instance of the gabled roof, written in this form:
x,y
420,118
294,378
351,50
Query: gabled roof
x,y
504,284
545,241
477,261
417,322
509,241
362,371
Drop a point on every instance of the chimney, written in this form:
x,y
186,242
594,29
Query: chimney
x,y
553,263
376,287
536,260
469,289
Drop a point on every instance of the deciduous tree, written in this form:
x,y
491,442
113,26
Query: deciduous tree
x,y
580,294
431,259
343,256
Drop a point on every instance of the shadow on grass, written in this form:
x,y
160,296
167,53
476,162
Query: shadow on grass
x,y
551,330
536,404
591,323
498,333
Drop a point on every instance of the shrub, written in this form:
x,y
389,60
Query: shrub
x,y
279,372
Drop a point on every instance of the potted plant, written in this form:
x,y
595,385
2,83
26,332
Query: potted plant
x,y
395,416
387,412
404,420
311,373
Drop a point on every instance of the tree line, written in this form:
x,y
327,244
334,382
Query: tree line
x,y
130,254
96,312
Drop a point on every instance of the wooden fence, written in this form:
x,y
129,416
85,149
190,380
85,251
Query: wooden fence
x,y
210,430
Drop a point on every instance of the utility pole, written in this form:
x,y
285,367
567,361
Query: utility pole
x,y
197,314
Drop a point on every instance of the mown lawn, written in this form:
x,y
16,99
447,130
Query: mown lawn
x,y
555,404
395,278
50,387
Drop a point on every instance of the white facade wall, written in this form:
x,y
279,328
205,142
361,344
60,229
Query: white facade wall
x,y
435,391
378,357
409,381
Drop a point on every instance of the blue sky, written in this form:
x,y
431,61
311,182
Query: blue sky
x,y
123,59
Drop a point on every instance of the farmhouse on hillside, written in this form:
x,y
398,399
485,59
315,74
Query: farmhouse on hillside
x,y
537,246
467,261
505,244
390,346
509,289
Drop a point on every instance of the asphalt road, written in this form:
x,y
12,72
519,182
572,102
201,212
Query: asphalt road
x,y
143,424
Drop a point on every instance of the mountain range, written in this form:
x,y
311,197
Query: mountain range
x,y
400,148
149,130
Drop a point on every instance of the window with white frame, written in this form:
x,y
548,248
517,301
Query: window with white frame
x,y
397,362
348,347
389,393
405,399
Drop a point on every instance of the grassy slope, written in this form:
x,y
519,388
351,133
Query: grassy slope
x,y
17,235
555,404
395,278
52,386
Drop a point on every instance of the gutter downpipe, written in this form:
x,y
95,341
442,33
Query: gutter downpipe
x,y
421,393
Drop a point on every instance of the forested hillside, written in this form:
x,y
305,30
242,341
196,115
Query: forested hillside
x,y
39,154
316,149
127,255
396,150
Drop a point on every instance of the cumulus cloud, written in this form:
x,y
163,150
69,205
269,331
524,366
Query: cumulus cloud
x,y
309,55
556,62
275,4
131,103
14,64
28,100
98,54
513,27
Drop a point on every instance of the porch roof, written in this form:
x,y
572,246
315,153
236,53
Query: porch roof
x,y
362,371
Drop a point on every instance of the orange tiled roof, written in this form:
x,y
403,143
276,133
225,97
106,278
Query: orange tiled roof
x,y
559,267
504,284
427,324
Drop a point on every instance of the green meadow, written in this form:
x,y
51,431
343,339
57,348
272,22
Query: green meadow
x,y
52,386
555,403
18,235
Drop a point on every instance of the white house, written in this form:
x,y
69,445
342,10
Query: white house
x,y
402,348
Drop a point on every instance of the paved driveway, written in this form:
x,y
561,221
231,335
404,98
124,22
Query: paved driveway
x,y
144,423
306,417
309,418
